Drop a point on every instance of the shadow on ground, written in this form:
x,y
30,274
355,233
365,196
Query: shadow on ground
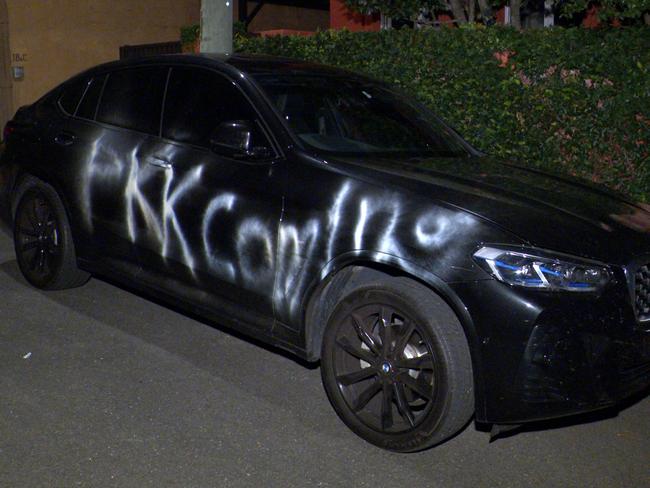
x,y
215,349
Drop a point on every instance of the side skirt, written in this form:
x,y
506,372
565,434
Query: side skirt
x,y
191,301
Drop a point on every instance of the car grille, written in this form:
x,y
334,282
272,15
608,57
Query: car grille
x,y
642,292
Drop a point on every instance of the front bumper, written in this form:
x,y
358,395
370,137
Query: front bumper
x,y
544,355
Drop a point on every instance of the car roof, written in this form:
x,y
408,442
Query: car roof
x,y
253,64
263,64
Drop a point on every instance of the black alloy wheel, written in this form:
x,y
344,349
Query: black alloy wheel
x,y
37,239
385,368
396,366
42,238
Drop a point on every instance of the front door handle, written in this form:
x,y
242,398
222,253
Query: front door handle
x,y
160,162
65,139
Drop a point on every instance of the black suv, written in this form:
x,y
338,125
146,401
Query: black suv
x,y
331,216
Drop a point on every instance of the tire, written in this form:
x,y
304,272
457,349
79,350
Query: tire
x,y
396,365
42,238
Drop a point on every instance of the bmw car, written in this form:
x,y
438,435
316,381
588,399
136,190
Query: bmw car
x,y
334,217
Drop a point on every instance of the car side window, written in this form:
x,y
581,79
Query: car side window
x,y
198,101
71,96
132,99
88,106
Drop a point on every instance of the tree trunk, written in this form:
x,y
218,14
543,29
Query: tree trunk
x,y
471,11
646,18
486,11
458,11
515,14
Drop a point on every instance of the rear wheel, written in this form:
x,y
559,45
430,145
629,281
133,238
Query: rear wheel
x,y
42,238
396,365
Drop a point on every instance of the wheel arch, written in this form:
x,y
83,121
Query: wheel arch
x,y
351,269
25,175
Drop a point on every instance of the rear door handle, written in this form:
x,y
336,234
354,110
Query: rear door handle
x,y
160,162
65,139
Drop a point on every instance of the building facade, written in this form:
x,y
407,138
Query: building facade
x,y
6,101
304,15
43,42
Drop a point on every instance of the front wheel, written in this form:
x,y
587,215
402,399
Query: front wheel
x,y
396,366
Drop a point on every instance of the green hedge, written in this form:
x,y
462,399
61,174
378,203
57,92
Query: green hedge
x,y
569,100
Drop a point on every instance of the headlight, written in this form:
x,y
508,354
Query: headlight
x,y
546,272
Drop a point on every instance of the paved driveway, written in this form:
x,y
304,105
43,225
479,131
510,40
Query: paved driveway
x,y
100,387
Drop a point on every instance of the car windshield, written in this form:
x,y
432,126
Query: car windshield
x,y
347,116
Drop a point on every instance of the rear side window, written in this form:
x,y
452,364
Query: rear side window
x,y
197,101
132,99
88,105
71,96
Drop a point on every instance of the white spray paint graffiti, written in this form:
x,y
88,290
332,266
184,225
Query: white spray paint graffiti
x,y
169,215
252,231
296,246
273,259
137,201
221,266
433,231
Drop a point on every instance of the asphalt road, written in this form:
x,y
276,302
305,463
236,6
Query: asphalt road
x,y
100,387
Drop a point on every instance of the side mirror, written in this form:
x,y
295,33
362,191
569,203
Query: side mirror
x,y
234,138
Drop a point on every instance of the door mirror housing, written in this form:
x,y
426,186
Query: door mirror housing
x,y
234,138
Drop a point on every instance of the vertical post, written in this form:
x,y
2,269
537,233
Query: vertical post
x,y
385,23
549,16
507,20
515,13
216,26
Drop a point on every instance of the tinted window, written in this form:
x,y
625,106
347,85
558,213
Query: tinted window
x,y
199,100
132,99
72,95
88,105
357,117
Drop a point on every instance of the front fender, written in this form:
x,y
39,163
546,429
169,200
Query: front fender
x,y
316,303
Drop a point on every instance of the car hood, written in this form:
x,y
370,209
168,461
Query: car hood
x,y
547,211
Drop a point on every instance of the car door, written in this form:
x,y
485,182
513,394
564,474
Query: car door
x,y
71,142
115,123
213,239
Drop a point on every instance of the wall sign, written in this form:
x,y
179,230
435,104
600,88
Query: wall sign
x,y
19,57
18,60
